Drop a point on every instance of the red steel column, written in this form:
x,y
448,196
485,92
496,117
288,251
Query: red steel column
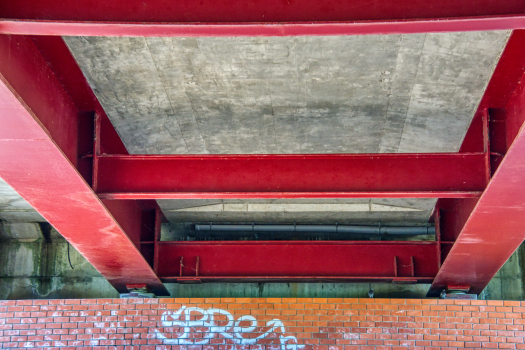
x,y
39,127
496,226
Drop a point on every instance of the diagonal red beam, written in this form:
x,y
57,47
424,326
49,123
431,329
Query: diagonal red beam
x,y
66,70
291,176
266,18
496,226
39,128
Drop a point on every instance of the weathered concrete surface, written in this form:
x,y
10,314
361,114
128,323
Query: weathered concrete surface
x,y
20,231
297,290
40,270
15,208
347,94
508,283
343,210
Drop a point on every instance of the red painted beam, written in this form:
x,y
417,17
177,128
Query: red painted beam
x,y
496,226
297,260
501,87
39,126
66,70
291,176
252,18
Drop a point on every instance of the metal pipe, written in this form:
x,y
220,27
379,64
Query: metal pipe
x,y
353,229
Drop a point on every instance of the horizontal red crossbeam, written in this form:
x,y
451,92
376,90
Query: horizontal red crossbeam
x,y
289,176
252,18
298,260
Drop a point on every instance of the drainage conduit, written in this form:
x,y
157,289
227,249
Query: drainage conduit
x,y
367,230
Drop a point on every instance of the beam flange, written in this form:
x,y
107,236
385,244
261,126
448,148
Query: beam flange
x,y
262,18
435,25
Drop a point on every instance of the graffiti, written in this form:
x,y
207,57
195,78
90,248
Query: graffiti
x,y
221,323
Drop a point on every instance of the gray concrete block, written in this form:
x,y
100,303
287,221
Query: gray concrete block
x,y
23,231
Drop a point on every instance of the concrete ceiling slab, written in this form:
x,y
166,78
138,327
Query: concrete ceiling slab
x,y
369,211
336,94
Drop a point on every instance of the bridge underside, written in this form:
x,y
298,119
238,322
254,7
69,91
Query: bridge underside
x,y
117,120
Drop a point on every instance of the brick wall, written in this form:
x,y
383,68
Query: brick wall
x,y
261,324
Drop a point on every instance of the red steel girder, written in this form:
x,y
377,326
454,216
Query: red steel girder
x,y
66,70
40,129
291,176
496,225
298,261
253,18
